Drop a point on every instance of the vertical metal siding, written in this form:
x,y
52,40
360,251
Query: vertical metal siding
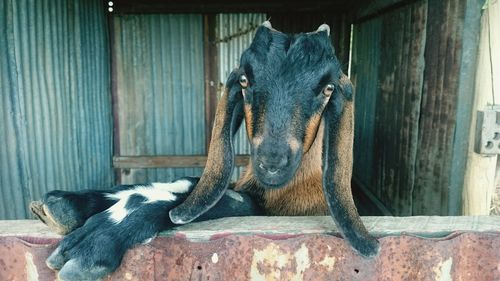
x,y
365,64
229,58
54,99
159,65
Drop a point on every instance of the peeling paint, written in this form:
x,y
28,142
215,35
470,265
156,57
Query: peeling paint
x,y
461,256
267,263
303,262
31,270
215,258
328,262
443,270
273,263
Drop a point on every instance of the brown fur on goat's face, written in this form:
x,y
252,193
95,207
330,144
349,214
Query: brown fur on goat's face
x,y
287,81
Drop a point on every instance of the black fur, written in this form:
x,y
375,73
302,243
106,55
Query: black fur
x,y
95,249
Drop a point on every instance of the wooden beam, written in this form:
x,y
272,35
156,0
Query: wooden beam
x,y
377,8
380,226
211,74
479,181
140,162
235,6
114,91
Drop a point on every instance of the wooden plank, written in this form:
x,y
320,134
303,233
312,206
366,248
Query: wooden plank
x,y
138,162
235,6
398,106
373,9
377,225
114,93
388,75
440,104
479,182
211,74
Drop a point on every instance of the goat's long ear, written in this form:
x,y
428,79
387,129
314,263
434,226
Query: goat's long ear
x,y
337,168
220,163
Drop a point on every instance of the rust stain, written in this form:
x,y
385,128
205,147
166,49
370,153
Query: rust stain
x,y
471,256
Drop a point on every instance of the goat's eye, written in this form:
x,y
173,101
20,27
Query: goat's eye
x,y
243,81
328,90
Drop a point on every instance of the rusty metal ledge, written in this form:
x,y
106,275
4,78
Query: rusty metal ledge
x,y
282,248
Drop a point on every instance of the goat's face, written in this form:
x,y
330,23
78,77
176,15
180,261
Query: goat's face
x,y
287,81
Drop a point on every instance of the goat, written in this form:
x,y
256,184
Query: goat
x,y
298,111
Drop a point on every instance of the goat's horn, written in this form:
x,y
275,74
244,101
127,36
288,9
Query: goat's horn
x,y
267,24
324,27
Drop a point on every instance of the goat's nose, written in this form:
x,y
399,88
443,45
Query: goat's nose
x,y
272,165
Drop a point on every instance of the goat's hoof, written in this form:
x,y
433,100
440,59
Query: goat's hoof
x,y
57,212
43,213
74,270
92,251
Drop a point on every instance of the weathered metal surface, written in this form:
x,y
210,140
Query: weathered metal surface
x,y
55,110
278,256
160,90
388,64
234,33
365,65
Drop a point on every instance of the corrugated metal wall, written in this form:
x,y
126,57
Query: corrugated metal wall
x,y
55,125
405,66
160,92
364,75
234,34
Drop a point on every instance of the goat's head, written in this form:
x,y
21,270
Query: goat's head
x,y
284,86
287,81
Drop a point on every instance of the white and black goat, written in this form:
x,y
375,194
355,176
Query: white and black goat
x,y
298,109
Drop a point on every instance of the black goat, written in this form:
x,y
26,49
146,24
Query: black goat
x,y
298,109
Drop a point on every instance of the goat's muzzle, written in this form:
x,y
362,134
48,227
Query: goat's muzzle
x,y
274,163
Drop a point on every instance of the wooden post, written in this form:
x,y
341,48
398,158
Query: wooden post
x,y
211,78
479,182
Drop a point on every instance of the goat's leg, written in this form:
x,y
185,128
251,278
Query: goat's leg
x,y
64,211
96,249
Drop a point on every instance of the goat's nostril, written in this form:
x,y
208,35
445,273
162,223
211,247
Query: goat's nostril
x,y
269,170
272,165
